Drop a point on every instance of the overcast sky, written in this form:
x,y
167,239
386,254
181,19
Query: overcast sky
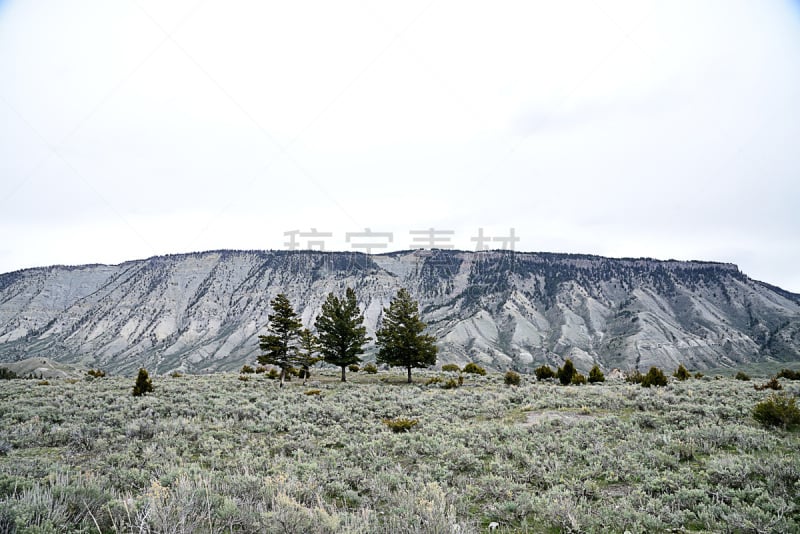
x,y
665,129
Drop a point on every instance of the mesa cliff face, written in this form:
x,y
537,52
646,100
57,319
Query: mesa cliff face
x,y
204,311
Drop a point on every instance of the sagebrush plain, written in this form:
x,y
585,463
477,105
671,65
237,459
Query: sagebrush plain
x,y
231,453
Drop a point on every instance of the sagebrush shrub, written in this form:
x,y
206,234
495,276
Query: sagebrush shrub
x,y
451,368
433,380
246,369
370,369
780,410
655,378
354,368
741,375
511,378
544,372
475,369
96,373
143,383
578,379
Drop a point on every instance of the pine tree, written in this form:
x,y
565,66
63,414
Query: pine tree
x,y
306,353
143,383
596,375
400,337
566,373
341,331
279,345
681,373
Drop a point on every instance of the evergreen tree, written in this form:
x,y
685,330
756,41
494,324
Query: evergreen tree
x,y
596,375
681,373
279,345
143,383
306,354
566,373
400,337
341,331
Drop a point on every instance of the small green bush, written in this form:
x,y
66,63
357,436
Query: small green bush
x,y
698,375
771,384
780,410
634,377
741,375
433,380
273,374
313,392
654,378
596,375
578,379
544,372
511,378
261,369
451,368
353,368
452,383
566,372
176,374
475,369
96,373
789,374
244,378
400,424
246,369
143,383
7,374
681,373
370,369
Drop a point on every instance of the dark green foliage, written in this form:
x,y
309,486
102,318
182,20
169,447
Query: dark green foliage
x,y
544,372
511,378
634,377
654,378
353,368
401,340
741,376
246,369
566,372
273,374
280,345
7,374
789,374
451,368
143,383
698,375
261,369
474,369
771,384
681,373
370,369
400,424
452,383
306,353
578,379
341,331
596,375
780,410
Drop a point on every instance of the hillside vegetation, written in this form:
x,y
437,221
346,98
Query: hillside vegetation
x,y
236,453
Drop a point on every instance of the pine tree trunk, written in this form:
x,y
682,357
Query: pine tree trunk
x,y
409,374
344,379
283,375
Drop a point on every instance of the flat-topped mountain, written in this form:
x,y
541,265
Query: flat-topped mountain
x,y
203,311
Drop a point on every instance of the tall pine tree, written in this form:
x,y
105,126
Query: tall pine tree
x,y
400,337
341,331
279,346
307,353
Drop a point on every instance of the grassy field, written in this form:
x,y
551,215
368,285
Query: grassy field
x,y
219,454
